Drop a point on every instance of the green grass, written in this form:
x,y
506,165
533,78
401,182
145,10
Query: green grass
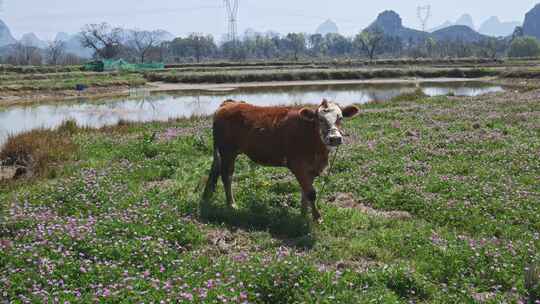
x,y
120,223
350,62
67,81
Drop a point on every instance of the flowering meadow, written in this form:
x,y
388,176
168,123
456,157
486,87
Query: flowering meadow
x,y
433,200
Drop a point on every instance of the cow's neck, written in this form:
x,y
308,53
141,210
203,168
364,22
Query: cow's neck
x,y
322,151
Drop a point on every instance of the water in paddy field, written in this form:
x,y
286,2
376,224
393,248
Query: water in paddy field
x,y
164,106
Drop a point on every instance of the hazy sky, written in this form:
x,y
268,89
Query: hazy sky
x,y
180,17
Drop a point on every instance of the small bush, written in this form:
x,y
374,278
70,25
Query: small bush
x,y
35,152
410,96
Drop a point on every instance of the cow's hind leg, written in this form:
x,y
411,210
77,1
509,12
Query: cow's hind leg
x,y
213,177
227,171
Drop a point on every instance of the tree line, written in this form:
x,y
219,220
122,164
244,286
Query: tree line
x,y
142,46
53,54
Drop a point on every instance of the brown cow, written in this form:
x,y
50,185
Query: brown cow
x,y
297,138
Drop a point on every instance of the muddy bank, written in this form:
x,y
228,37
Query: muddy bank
x,y
11,98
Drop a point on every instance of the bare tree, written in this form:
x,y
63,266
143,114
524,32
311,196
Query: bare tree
x,y
143,42
164,50
197,45
71,59
431,45
369,41
55,51
200,45
20,54
105,40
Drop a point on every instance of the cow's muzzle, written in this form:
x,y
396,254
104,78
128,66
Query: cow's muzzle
x,y
332,137
335,141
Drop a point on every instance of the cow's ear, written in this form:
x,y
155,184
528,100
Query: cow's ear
x,y
350,111
308,114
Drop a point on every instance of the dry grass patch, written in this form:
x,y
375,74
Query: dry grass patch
x,y
36,152
7,172
347,200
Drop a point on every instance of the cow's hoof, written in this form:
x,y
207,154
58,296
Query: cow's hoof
x,y
234,206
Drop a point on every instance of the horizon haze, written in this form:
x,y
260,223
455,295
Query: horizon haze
x,y
46,19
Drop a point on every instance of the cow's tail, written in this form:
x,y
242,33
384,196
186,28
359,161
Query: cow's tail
x,y
213,177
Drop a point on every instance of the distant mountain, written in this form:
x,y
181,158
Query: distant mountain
x,y
531,26
494,27
458,33
491,27
167,36
30,39
440,27
391,24
5,35
62,36
465,20
327,27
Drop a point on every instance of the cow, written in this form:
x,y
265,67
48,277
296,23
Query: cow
x,y
297,138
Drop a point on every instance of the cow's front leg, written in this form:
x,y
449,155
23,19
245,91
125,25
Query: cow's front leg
x,y
312,198
305,203
309,195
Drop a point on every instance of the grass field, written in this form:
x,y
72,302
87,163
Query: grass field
x,y
262,75
433,200
66,81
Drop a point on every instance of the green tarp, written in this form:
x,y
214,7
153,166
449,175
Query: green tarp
x,y
121,65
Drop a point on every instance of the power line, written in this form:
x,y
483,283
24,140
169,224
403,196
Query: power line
x,y
232,14
423,13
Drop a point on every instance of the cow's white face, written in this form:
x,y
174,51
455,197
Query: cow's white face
x,y
329,116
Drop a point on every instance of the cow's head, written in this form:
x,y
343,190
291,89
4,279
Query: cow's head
x,y
328,117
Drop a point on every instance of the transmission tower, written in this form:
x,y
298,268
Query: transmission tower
x,y
232,15
423,13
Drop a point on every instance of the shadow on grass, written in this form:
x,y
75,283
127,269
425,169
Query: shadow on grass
x,y
293,229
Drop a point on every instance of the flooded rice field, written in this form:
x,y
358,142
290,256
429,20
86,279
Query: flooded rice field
x,y
144,106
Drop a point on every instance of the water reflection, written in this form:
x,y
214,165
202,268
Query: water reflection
x,y
141,106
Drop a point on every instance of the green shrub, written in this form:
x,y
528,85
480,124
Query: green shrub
x,y
524,47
